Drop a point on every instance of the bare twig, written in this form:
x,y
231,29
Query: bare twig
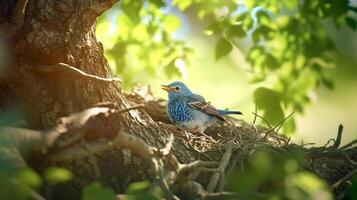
x,y
338,137
255,112
18,14
76,121
281,123
348,145
123,140
59,67
345,178
166,189
130,108
212,184
34,195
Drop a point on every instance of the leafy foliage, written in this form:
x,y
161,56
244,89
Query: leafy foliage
x,y
142,45
274,176
96,191
18,183
288,43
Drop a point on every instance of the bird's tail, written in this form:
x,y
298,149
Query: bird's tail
x,y
229,112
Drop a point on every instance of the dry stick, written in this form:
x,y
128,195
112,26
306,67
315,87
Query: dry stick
x,y
280,124
353,142
34,195
18,14
75,71
270,126
122,140
212,184
130,108
338,138
255,111
51,135
345,178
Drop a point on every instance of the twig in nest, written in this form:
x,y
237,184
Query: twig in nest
x,y
212,184
271,130
280,124
276,128
346,146
345,178
59,67
338,138
256,112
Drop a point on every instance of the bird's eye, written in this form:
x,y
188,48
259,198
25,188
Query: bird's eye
x,y
177,88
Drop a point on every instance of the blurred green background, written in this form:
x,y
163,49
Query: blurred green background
x,y
209,45
281,55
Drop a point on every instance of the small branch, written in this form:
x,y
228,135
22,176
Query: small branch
x,y
59,67
345,178
338,138
130,108
34,195
123,140
77,120
212,184
219,196
350,144
18,13
256,112
166,189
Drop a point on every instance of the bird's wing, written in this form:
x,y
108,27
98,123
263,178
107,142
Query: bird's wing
x,y
197,102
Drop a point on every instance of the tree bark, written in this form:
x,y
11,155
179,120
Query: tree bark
x,y
64,32
43,34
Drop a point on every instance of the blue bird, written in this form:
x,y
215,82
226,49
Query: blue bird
x,y
190,111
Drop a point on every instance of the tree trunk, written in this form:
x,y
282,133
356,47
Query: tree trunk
x,y
64,32
51,32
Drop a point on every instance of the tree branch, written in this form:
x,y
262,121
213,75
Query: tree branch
x,y
212,184
18,13
63,67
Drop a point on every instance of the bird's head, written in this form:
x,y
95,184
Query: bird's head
x,y
176,89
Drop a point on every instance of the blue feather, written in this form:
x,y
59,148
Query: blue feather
x,y
229,112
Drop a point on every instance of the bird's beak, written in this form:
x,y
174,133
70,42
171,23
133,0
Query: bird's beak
x,y
165,87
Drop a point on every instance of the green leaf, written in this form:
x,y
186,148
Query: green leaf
x,y
214,28
132,9
223,47
270,102
289,126
328,83
139,191
271,62
171,69
96,191
182,4
29,177
55,175
352,193
258,77
236,31
138,186
158,3
310,184
351,23
171,23
291,4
